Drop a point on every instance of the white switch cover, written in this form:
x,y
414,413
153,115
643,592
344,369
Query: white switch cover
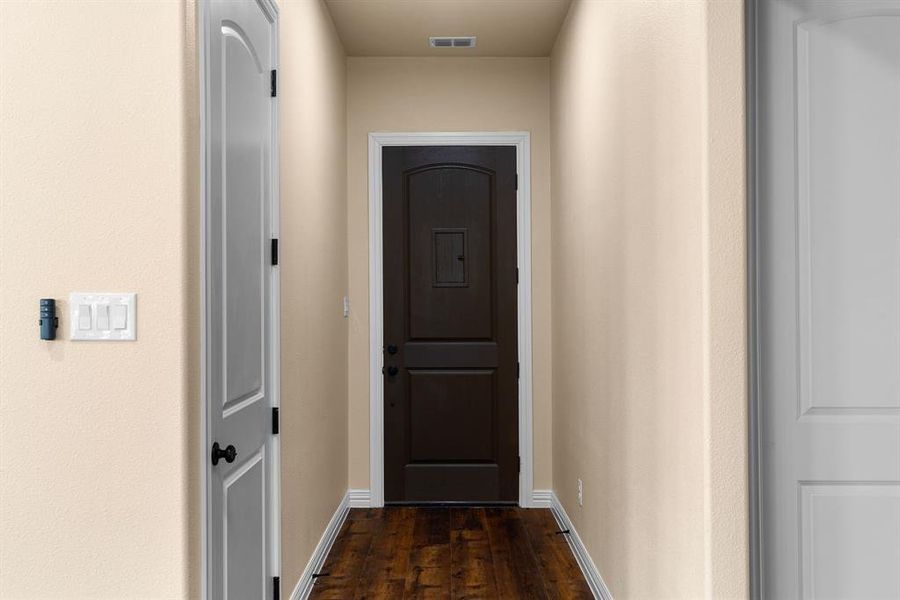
x,y
102,317
84,316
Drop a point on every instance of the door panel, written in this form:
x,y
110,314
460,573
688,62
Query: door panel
x,y
239,222
848,90
451,416
244,531
829,297
438,196
847,549
450,305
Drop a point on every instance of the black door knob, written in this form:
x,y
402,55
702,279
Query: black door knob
x,y
391,349
229,453
391,371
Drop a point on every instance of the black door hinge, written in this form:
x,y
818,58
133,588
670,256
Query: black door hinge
x,y
273,83
519,462
274,251
517,275
517,181
518,370
275,420
276,588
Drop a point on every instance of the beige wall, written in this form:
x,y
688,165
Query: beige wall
x,y
312,90
82,512
647,291
446,94
648,305
726,458
98,191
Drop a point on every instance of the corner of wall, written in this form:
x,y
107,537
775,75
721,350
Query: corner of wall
x,y
314,279
726,460
193,409
648,310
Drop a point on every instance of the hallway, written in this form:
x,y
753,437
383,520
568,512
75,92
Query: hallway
x,y
490,254
443,552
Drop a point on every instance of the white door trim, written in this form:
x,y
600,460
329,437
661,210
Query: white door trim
x,y
522,142
753,448
270,7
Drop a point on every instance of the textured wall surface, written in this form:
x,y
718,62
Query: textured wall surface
x,y
98,192
649,407
725,305
312,102
447,94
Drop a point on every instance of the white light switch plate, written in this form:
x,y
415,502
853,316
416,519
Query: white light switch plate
x,y
102,317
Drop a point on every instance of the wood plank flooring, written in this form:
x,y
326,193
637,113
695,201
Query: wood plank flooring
x,y
396,553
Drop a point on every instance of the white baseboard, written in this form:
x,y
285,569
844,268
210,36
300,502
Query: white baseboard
x,y
542,499
304,586
595,582
360,498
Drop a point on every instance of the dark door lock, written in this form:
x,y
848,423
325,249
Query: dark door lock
x,y
391,371
229,453
391,349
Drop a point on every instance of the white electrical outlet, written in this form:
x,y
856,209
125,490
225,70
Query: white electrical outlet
x,y
580,493
346,307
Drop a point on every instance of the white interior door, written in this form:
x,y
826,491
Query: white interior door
x,y
829,297
240,221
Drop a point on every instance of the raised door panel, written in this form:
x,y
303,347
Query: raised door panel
x,y
451,415
848,147
450,228
244,531
243,199
850,540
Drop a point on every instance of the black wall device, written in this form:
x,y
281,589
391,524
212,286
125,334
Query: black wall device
x,y
48,321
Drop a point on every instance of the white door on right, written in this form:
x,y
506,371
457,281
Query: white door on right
x,y
828,260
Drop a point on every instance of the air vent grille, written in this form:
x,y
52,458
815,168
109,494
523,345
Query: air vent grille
x,y
452,42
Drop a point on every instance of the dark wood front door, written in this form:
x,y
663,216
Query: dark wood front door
x,y
450,339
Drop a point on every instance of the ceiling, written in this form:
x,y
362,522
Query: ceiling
x,y
402,27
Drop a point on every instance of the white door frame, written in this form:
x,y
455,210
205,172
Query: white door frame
x,y
755,521
521,140
274,474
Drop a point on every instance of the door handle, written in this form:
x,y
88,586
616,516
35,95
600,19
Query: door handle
x,y
391,371
229,453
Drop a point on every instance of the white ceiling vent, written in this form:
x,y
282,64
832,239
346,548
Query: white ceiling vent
x,y
467,41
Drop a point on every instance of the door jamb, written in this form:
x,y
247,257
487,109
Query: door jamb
x,y
274,475
755,516
521,140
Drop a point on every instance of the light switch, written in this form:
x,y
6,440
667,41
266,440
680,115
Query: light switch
x,y
119,316
84,317
103,317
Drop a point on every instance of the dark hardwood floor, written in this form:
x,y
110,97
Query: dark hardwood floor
x,y
442,552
